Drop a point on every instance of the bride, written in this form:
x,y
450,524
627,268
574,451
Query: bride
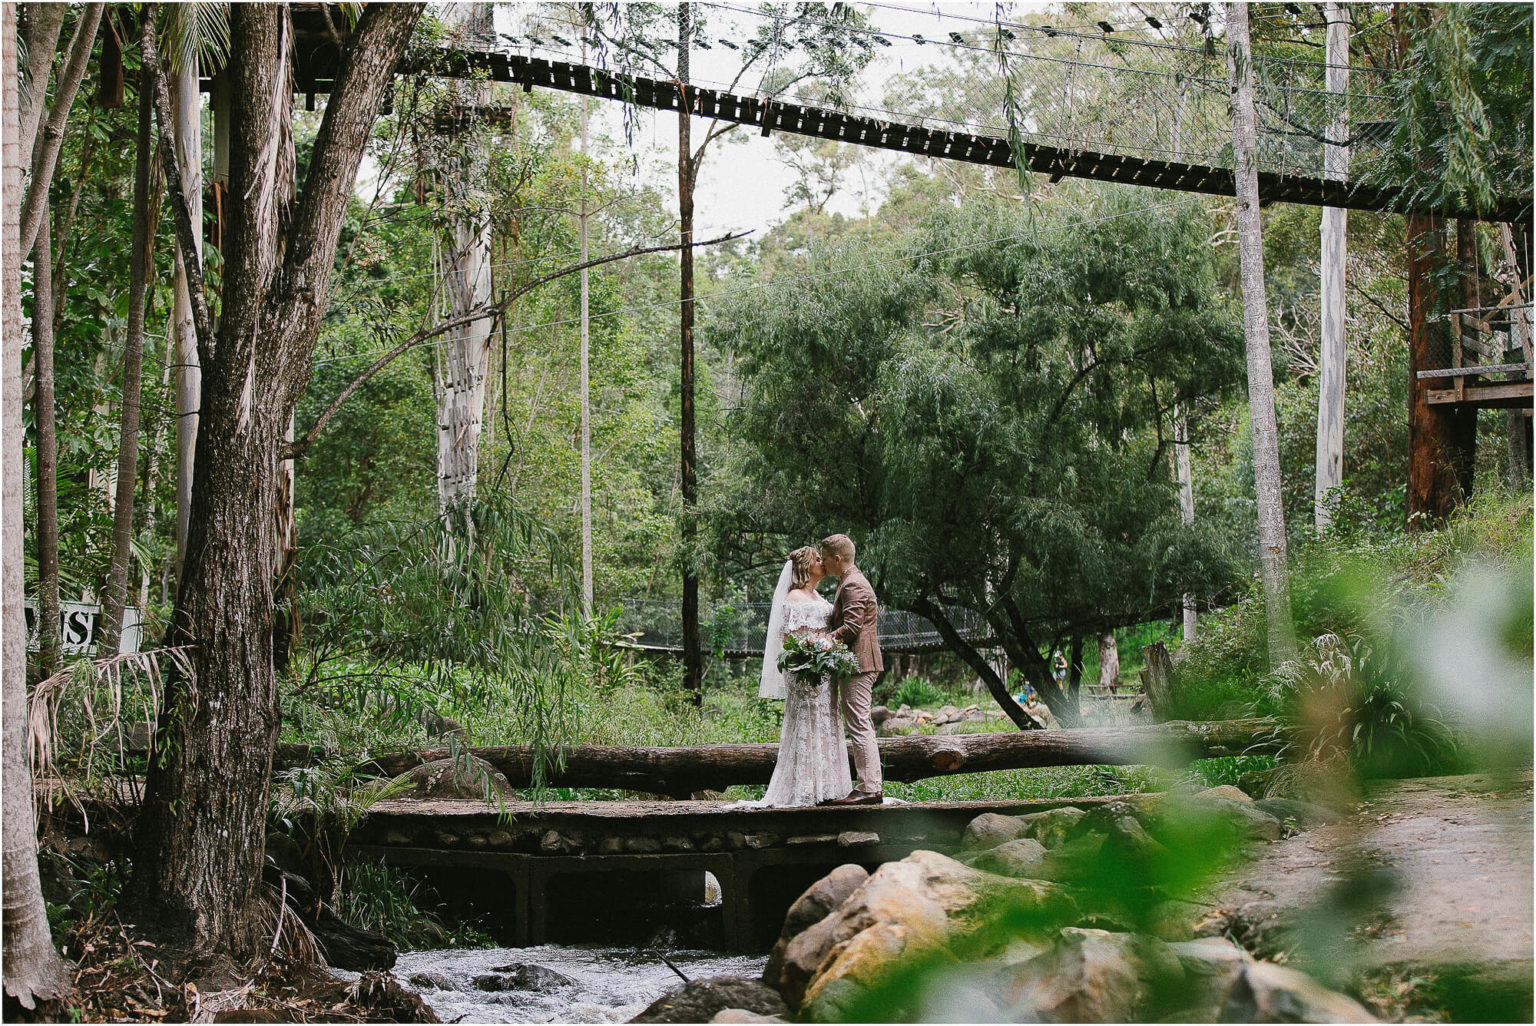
x,y
813,759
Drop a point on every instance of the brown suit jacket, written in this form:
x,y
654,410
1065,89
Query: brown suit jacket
x,y
854,616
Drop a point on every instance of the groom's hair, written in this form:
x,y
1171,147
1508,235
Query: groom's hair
x,y
838,545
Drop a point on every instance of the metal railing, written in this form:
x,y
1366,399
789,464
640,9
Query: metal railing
x,y
742,628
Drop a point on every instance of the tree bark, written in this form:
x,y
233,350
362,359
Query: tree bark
x,y
1441,440
1331,361
140,266
693,650
45,152
1158,681
1261,385
1186,502
683,771
586,388
1109,661
41,32
202,829
33,970
47,458
467,284
189,154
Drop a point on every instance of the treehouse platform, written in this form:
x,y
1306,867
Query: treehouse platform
x,y
1486,361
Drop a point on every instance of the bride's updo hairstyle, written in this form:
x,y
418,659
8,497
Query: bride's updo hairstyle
x,y
800,562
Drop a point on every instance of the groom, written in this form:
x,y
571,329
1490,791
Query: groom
x,y
853,623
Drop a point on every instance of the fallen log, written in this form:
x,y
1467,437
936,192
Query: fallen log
x,y
683,771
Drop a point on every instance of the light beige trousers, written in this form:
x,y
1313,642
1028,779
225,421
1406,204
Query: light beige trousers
x,y
866,752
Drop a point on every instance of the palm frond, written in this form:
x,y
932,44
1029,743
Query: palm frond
x,y
197,36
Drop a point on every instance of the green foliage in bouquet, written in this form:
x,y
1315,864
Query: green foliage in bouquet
x,y
814,656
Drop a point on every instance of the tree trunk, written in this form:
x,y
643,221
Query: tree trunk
x,y
189,152
1186,502
586,389
1109,661
1157,680
467,284
693,651
140,266
47,458
202,829
1331,364
33,969
1441,439
45,152
685,770
1517,423
995,685
1261,385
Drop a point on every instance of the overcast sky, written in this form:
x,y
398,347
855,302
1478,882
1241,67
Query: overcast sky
x,y
743,181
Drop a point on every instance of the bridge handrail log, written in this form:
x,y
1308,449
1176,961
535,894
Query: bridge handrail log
x,y
685,770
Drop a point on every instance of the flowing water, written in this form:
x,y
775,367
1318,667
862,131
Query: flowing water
x,y
607,984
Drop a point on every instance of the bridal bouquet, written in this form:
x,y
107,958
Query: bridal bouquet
x,y
813,656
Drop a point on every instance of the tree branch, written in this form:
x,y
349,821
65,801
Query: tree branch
x,y
298,447
925,607
45,153
186,237
44,22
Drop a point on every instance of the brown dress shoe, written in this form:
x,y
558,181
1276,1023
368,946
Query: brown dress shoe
x,y
857,797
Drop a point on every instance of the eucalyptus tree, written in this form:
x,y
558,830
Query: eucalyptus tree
x,y
1261,384
806,40
991,422
198,869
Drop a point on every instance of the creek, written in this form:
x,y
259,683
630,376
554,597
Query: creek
x,y
606,984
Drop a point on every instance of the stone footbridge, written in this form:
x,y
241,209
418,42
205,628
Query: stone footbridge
x,y
575,871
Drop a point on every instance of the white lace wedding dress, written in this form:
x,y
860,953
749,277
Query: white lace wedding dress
x,y
813,757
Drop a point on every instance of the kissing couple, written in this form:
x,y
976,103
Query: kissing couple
x,y
812,767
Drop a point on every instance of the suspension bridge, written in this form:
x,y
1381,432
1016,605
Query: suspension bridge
x,y
1135,104
739,630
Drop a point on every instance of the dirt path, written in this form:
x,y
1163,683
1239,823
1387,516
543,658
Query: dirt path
x,y
1432,872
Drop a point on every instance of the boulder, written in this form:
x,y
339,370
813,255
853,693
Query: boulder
x,y
464,777
1101,818
742,1015
702,1000
1265,992
1076,860
1176,821
1089,976
897,726
527,976
1053,826
990,829
947,714
1210,957
1130,839
1227,791
820,899
906,912
1022,856
430,981
878,714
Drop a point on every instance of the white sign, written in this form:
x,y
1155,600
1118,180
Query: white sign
x,y
77,627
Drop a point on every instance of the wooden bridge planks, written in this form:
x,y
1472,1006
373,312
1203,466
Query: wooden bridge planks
x,y
841,126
